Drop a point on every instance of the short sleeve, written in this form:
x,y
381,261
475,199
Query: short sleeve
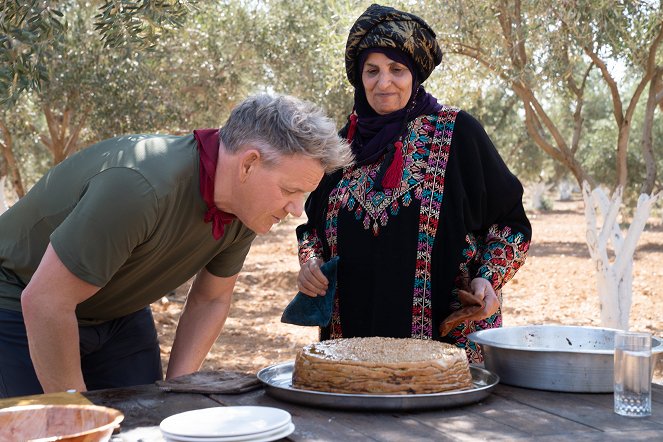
x,y
117,211
231,259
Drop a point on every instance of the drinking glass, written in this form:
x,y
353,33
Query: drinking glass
x,y
633,374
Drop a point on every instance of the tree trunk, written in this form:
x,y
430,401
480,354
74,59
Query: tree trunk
x,y
545,133
63,132
3,201
624,118
12,166
622,152
560,152
647,128
614,277
538,196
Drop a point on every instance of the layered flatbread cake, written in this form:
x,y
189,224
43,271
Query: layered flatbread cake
x,y
379,365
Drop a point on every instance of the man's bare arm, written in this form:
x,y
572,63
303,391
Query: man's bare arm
x,y
49,310
200,324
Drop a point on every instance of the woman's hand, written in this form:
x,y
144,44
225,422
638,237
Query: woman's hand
x,y
311,281
482,288
480,303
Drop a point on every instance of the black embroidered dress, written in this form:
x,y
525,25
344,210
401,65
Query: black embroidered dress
x,y
404,252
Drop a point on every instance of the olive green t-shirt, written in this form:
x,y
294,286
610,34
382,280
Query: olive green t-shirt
x,y
126,215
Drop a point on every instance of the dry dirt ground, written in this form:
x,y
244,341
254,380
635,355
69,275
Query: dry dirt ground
x,y
556,286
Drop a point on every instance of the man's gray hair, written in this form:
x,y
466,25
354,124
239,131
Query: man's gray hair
x,y
282,125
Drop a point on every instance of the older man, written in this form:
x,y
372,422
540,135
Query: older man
x,y
113,228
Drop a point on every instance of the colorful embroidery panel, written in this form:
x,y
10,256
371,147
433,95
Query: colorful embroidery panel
x,y
429,215
500,254
373,208
425,153
309,246
495,255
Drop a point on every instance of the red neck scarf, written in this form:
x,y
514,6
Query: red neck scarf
x,y
208,149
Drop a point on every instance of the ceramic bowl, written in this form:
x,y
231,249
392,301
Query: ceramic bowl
x,y
71,423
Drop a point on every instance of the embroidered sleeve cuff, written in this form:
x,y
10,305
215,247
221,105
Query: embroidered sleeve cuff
x,y
501,255
310,246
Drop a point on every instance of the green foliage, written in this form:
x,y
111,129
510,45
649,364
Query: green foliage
x,y
140,23
303,44
28,151
541,50
498,109
30,28
191,78
172,66
619,30
27,29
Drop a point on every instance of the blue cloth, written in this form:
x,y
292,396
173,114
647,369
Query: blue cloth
x,y
307,310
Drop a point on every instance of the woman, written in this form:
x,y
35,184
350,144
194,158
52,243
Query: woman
x,y
429,223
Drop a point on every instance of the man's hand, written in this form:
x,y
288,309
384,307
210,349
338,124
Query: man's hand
x,y
480,303
311,281
49,310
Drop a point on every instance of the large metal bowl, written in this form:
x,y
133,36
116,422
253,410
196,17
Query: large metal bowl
x,y
553,357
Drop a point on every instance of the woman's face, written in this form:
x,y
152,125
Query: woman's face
x,y
388,84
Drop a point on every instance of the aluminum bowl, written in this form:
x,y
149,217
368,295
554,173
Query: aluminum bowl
x,y
553,357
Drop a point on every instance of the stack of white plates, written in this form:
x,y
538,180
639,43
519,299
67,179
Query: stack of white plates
x,y
228,424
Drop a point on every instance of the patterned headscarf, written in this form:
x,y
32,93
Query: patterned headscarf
x,y
404,38
382,26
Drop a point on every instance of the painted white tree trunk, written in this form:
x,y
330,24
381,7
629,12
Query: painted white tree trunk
x,y
614,271
3,201
538,195
565,191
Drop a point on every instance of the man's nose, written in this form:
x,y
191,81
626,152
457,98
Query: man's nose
x,y
295,208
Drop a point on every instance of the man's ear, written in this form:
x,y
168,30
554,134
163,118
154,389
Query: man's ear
x,y
249,160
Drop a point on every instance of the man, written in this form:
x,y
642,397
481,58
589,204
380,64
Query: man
x,y
114,227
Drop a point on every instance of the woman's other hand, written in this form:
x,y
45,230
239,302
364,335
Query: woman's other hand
x,y
483,289
311,281
480,303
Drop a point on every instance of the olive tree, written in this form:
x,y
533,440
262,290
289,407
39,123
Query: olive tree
x,y
549,54
38,53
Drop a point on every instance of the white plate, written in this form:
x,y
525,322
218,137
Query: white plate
x,y
225,422
267,436
240,438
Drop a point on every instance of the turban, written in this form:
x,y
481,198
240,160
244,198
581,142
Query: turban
x,y
385,27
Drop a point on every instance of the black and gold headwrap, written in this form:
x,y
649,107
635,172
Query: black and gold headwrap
x,y
382,26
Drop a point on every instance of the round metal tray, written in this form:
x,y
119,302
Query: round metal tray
x,y
278,384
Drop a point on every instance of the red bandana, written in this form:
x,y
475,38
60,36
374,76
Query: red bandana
x,y
208,149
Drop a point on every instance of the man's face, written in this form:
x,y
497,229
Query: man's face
x,y
270,192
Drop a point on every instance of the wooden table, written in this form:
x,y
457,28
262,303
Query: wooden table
x,y
508,413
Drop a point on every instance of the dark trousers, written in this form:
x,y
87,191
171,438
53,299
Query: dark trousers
x,y
118,353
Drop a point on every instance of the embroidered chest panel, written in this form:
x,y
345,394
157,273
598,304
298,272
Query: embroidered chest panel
x,y
372,207
425,154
